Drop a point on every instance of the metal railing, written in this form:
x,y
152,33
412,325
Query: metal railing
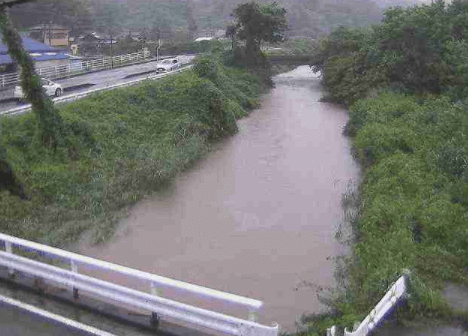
x,y
9,79
152,301
396,293
78,67
72,97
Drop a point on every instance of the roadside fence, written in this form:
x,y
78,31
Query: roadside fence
x,y
76,67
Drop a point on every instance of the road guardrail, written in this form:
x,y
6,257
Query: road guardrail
x,y
78,67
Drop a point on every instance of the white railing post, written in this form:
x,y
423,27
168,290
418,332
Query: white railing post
x,y
155,290
9,249
253,315
154,318
331,331
74,269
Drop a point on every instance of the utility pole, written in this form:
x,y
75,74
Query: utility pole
x,y
157,50
50,33
112,53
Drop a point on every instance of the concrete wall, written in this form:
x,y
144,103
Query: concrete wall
x,y
7,93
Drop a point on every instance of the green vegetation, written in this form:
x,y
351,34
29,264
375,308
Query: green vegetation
x,y
405,81
256,24
292,47
123,144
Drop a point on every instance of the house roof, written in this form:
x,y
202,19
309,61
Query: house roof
x,y
47,26
93,36
38,51
6,59
30,45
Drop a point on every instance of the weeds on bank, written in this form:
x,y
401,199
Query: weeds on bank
x,y
412,208
126,144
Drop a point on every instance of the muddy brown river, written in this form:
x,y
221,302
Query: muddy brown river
x,y
258,215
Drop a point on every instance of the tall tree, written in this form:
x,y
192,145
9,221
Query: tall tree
x,y
257,23
191,24
50,124
108,19
161,29
231,33
73,14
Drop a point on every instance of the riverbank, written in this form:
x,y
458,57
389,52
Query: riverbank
x,y
413,202
409,212
409,122
128,143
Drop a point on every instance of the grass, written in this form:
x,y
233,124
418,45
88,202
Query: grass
x,y
412,208
124,144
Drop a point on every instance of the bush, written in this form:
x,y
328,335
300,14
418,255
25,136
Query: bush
x,y
206,68
377,140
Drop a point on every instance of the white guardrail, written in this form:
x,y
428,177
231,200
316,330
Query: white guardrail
x,y
78,67
395,294
148,301
72,97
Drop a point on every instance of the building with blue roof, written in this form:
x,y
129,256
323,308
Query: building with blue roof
x,y
44,55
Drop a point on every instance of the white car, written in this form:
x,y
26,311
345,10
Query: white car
x,y
168,64
51,88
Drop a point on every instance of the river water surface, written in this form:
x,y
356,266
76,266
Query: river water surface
x,y
258,215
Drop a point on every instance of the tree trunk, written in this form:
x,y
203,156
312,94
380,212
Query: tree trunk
x,y
8,180
252,50
49,121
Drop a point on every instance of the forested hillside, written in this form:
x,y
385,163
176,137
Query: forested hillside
x,y
306,17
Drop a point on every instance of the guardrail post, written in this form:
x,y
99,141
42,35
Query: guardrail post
x,y
253,315
8,249
74,269
154,318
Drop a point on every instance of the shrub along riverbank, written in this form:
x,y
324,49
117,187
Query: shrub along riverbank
x,y
127,143
405,83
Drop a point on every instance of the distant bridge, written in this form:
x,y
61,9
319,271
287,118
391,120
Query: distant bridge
x,y
293,59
